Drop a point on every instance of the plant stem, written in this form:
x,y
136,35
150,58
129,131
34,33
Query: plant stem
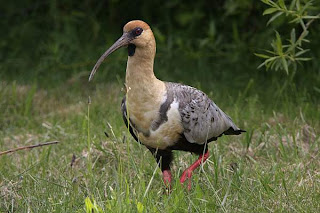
x,y
28,147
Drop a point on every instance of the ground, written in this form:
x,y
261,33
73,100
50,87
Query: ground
x,y
272,167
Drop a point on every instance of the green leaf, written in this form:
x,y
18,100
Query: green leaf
x,y
310,17
267,61
302,52
273,64
262,55
274,17
299,48
276,65
269,2
271,52
296,20
262,64
279,43
303,59
292,4
282,4
293,36
306,40
285,64
291,59
272,3
298,5
269,11
305,7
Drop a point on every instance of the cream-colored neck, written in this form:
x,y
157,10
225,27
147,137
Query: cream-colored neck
x,y
139,70
145,93
140,79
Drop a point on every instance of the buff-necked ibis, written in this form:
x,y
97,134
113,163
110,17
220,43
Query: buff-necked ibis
x,y
165,116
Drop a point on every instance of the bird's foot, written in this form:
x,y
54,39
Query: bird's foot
x,y
167,178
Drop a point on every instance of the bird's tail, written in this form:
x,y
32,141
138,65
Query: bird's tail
x,y
232,131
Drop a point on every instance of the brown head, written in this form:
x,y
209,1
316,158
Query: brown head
x,y
137,36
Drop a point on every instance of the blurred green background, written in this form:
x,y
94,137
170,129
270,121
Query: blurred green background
x,y
207,42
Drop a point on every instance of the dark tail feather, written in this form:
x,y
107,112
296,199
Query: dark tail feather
x,y
231,131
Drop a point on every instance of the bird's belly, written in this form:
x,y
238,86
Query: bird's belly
x,y
167,134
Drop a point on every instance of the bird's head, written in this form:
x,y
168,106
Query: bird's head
x,y
136,35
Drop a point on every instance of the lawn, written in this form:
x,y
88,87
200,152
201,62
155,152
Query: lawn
x,y
272,167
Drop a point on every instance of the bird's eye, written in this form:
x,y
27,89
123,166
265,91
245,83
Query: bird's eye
x,y
138,31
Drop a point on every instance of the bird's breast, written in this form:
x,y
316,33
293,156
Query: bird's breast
x,y
157,123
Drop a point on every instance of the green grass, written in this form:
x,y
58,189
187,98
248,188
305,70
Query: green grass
x,y
47,51
273,167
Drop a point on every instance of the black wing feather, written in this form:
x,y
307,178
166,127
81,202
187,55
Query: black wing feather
x,y
125,119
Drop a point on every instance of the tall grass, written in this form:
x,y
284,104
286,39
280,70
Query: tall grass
x,y
271,168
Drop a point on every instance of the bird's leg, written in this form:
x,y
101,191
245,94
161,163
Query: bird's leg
x,y
188,172
167,177
164,158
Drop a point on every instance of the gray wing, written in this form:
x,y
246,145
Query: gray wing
x,y
201,118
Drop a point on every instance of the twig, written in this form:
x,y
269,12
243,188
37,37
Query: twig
x,y
28,147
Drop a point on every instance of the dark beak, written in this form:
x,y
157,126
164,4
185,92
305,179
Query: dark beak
x,y
122,41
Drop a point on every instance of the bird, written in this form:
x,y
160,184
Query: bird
x,y
165,116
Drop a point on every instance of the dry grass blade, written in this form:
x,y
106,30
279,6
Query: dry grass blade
x,y
28,147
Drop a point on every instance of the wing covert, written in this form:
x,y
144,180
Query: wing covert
x,y
201,118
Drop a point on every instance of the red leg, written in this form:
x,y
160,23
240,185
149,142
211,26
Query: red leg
x,y
188,172
167,177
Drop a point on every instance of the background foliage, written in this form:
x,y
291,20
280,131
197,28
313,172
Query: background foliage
x,y
59,39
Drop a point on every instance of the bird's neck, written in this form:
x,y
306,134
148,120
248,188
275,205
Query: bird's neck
x,y
142,85
140,77
139,70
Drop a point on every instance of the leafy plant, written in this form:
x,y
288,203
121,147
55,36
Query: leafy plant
x,y
282,56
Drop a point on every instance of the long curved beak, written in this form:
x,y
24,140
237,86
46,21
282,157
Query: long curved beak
x,y
122,41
